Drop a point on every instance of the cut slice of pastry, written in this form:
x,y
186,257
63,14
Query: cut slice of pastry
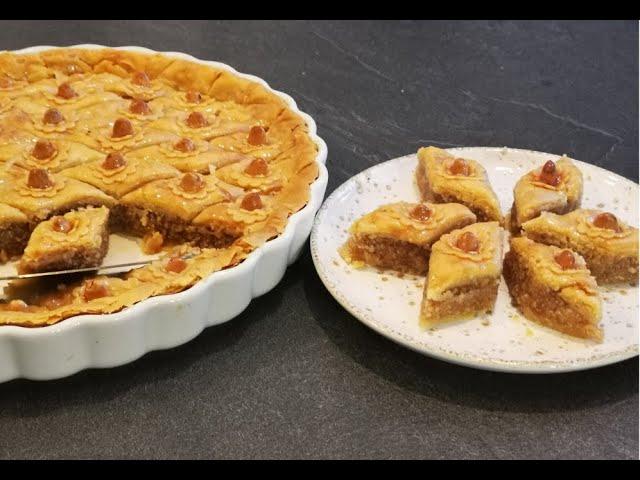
x,y
118,175
609,246
554,187
14,232
442,177
399,236
553,286
40,194
78,239
464,274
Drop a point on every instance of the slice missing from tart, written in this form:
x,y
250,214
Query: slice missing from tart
x,y
399,236
553,286
464,274
608,245
79,239
554,187
442,177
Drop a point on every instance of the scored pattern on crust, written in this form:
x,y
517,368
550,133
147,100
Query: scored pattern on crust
x,y
232,104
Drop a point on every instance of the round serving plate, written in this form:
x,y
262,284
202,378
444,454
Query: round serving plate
x,y
503,340
101,341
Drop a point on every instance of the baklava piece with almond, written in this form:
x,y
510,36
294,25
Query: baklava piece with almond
x,y
555,187
553,286
442,178
78,239
608,245
464,274
399,236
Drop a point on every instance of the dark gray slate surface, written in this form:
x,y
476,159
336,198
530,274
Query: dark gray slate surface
x,y
295,376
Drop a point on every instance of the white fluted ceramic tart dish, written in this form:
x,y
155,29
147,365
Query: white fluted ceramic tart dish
x,y
215,170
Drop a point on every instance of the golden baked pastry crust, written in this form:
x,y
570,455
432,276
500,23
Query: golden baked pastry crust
x,y
117,182
141,106
399,236
611,253
437,183
566,300
463,283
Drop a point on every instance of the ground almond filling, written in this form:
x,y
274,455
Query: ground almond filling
x,y
75,109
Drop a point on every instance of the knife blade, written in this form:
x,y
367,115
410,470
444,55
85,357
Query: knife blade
x,y
99,269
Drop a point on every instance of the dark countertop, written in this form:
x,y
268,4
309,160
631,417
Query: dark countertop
x,y
295,376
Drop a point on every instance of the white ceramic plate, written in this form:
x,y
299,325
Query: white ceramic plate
x,y
166,321
504,340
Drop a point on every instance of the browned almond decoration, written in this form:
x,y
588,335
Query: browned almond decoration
x,y
17,306
142,79
420,212
139,107
121,128
191,182
460,167
61,224
176,265
66,91
193,96
565,259
549,175
607,221
114,160
259,166
43,149
257,135
185,145
468,242
196,120
53,116
95,288
39,178
251,201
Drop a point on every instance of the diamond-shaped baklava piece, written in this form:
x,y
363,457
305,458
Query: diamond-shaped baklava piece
x,y
442,177
40,194
78,239
55,155
608,245
117,174
464,274
553,286
399,236
554,187
188,155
